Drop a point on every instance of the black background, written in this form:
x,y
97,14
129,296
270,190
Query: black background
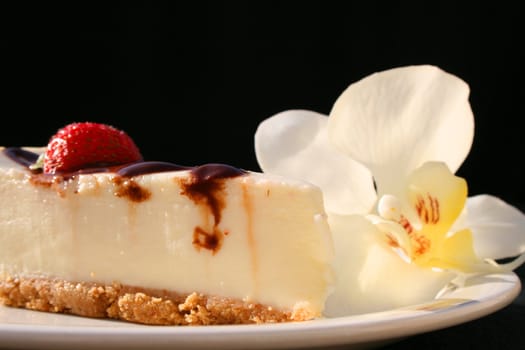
x,y
190,81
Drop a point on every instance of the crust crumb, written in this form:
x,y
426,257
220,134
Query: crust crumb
x,y
139,305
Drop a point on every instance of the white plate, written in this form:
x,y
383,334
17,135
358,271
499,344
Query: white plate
x,y
484,295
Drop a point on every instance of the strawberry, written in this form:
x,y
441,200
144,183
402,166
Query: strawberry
x,y
83,145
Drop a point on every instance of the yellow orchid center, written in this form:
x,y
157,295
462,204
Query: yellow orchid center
x,y
435,199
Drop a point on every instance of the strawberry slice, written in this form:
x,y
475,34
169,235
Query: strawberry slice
x,y
85,145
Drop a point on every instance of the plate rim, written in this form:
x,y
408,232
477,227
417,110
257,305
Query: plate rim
x,y
354,330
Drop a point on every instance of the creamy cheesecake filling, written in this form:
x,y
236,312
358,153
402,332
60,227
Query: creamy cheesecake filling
x,y
235,236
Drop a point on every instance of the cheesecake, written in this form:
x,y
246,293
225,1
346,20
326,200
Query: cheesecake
x,y
162,244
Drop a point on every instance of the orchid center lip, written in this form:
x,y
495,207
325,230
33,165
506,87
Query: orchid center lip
x,y
427,208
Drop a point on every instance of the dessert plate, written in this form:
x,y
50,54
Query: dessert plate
x,y
481,296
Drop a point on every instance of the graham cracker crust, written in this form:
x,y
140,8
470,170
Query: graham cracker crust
x,y
146,306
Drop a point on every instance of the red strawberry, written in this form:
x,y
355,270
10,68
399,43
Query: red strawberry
x,y
83,145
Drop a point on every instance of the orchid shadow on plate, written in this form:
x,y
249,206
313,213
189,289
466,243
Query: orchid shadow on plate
x,y
385,159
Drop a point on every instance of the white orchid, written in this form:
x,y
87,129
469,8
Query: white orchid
x,y
385,160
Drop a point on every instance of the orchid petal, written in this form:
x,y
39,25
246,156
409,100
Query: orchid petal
x,y
371,276
498,228
295,144
394,121
457,252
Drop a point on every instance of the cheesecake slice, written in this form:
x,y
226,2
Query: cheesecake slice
x,y
156,243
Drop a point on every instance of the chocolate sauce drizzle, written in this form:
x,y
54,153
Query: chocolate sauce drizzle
x,y
205,187
21,156
204,172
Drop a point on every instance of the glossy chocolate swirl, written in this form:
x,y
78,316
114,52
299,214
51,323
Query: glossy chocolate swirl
x,y
204,172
